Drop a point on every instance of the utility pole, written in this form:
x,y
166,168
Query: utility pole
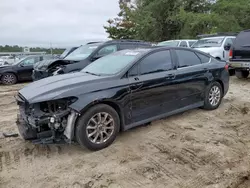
x,y
51,50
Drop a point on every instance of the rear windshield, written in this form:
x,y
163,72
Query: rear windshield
x,y
169,43
243,39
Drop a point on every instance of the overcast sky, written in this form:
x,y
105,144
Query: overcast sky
x,y
61,22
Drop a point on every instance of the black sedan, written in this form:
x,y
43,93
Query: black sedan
x,y
118,92
20,70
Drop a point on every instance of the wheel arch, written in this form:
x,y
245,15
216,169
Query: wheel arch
x,y
222,85
110,103
12,72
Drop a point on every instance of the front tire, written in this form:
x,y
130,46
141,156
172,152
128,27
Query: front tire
x,y
242,74
9,79
213,96
98,127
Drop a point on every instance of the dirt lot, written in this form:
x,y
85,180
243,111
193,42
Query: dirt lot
x,y
196,149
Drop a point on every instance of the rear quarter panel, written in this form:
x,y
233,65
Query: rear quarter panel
x,y
219,74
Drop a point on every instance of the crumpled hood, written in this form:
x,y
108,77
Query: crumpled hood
x,y
61,86
43,65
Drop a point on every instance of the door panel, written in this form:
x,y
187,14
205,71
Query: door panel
x,y
25,68
152,95
152,89
191,84
191,77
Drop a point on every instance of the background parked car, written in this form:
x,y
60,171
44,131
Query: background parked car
x,y
83,56
120,91
20,70
240,55
177,43
217,45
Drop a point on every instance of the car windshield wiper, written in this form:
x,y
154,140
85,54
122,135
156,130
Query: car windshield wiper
x,y
92,73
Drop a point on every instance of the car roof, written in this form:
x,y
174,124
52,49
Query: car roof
x,y
127,41
217,37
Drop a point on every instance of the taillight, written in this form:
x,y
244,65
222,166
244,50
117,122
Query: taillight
x,y
231,54
226,67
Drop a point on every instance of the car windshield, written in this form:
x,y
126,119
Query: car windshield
x,y
66,51
19,61
169,43
111,64
82,52
208,42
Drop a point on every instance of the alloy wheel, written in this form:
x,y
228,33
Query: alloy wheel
x,y
8,79
214,95
100,128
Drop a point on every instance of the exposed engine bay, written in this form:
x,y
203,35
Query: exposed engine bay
x,y
47,122
48,68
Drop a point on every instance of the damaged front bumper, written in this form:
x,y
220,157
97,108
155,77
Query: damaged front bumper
x,y
45,128
38,75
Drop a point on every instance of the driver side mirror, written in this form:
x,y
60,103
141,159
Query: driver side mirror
x,y
21,64
96,57
227,47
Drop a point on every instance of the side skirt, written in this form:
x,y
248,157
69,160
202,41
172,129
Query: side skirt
x,y
193,106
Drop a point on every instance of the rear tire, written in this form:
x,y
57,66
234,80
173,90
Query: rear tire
x,y
9,79
213,96
241,74
98,127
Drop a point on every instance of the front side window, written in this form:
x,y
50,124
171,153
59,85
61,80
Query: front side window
x,y
107,50
156,62
184,44
133,71
30,61
187,58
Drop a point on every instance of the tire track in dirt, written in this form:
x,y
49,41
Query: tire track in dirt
x,y
27,155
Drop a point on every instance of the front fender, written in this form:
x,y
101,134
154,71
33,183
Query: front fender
x,y
87,100
118,96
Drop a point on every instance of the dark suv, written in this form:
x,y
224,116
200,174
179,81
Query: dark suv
x,y
240,55
83,56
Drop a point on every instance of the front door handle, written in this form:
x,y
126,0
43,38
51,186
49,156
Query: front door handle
x,y
170,76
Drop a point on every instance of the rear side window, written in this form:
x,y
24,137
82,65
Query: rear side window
x,y
203,58
191,43
156,62
184,44
243,39
187,58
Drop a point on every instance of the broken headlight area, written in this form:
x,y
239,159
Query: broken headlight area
x,y
50,121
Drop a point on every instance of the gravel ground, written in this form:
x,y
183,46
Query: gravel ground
x,y
195,149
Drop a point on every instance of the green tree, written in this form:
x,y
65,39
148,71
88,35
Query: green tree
x,y
121,27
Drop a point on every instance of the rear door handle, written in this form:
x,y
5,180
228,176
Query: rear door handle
x,y
170,76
